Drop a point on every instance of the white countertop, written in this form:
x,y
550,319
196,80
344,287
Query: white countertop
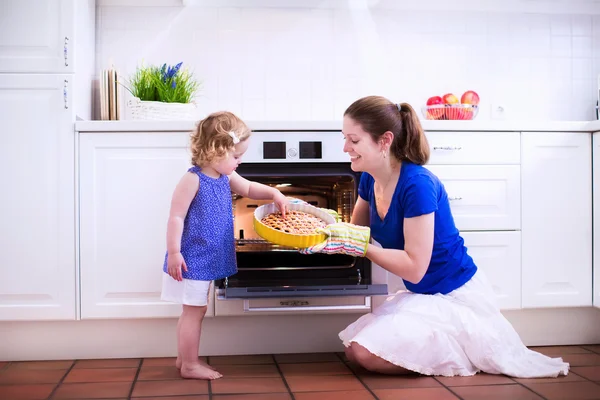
x,y
183,126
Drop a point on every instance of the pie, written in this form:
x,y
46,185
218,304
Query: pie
x,y
295,222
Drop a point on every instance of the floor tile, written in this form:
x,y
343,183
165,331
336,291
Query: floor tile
x,y
478,379
415,394
163,361
343,395
59,364
398,382
28,376
592,347
26,392
92,390
169,388
248,385
571,377
249,371
305,358
101,375
108,363
249,359
496,392
192,397
319,368
158,373
323,383
559,351
580,360
567,391
592,372
253,396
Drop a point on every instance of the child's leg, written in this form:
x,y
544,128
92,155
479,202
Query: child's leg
x,y
179,358
189,343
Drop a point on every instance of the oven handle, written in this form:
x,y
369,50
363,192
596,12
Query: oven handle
x,y
361,307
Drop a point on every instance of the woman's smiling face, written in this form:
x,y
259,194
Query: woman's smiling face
x,y
365,154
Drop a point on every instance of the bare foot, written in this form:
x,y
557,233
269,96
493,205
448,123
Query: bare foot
x,y
178,364
197,371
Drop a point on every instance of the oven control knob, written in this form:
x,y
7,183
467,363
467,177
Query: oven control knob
x,y
292,153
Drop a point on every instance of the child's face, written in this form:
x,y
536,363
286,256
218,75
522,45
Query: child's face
x,y
230,162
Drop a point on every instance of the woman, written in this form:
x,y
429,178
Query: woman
x,y
448,323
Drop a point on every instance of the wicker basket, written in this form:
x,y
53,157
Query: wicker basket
x,y
158,110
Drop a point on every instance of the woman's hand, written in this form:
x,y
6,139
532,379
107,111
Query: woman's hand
x,y
175,262
281,202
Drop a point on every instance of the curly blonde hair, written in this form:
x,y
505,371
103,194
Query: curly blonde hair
x,y
212,139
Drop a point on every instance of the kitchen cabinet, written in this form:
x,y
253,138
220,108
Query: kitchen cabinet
x,y
37,36
497,254
556,219
482,197
596,175
126,184
37,206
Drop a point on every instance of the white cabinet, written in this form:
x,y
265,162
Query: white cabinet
x,y
37,36
482,197
126,184
556,219
498,255
474,148
37,206
596,173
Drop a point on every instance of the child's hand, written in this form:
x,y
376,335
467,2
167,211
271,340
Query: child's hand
x,y
281,202
174,263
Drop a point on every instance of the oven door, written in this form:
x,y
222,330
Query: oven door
x,y
270,271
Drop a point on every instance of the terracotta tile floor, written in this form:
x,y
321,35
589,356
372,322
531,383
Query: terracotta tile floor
x,y
321,376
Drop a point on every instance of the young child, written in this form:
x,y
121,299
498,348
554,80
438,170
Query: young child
x,y
200,239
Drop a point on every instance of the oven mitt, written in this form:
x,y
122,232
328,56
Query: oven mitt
x,y
333,213
343,238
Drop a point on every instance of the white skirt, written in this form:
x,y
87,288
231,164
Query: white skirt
x,y
460,333
189,292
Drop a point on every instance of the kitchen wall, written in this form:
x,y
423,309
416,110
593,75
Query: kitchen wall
x,y
311,63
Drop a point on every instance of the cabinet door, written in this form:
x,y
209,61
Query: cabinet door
x,y
36,36
482,197
557,219
596,173
126,184
498,255
37,207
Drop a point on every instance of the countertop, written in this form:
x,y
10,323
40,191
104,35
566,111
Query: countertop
x,y
335,126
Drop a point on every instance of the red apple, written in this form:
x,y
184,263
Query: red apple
x,y
450,99
434,100
469,97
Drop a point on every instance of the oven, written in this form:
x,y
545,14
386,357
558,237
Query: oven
x,y
273,279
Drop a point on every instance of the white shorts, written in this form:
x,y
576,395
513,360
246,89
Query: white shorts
x,y
189,292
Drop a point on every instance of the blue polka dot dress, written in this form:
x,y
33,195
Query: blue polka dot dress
x,y
207,242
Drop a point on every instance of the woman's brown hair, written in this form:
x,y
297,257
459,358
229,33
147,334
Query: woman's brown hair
x,y
377,115
214,136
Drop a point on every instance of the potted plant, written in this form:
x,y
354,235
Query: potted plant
x,y
165,92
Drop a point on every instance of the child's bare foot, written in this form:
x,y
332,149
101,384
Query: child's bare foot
x,y
197,371
178,364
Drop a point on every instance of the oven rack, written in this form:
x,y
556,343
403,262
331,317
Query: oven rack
x,y
259,245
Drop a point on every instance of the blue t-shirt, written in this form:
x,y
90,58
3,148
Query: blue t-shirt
x,y
420,192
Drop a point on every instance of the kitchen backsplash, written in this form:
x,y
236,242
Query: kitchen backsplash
x,y
310,64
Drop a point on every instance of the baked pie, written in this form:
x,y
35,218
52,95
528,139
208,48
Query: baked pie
x,y
295,222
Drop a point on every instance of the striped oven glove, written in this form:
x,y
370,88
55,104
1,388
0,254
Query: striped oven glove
x,y
343,238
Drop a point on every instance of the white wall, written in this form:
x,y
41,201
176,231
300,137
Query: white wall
x,y
311,63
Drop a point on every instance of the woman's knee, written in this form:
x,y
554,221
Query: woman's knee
x,y
361,355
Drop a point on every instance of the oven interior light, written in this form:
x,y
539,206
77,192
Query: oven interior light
x,y
283,184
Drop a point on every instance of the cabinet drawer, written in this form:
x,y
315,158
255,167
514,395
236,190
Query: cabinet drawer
x,y
474,147
498,255
482,198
